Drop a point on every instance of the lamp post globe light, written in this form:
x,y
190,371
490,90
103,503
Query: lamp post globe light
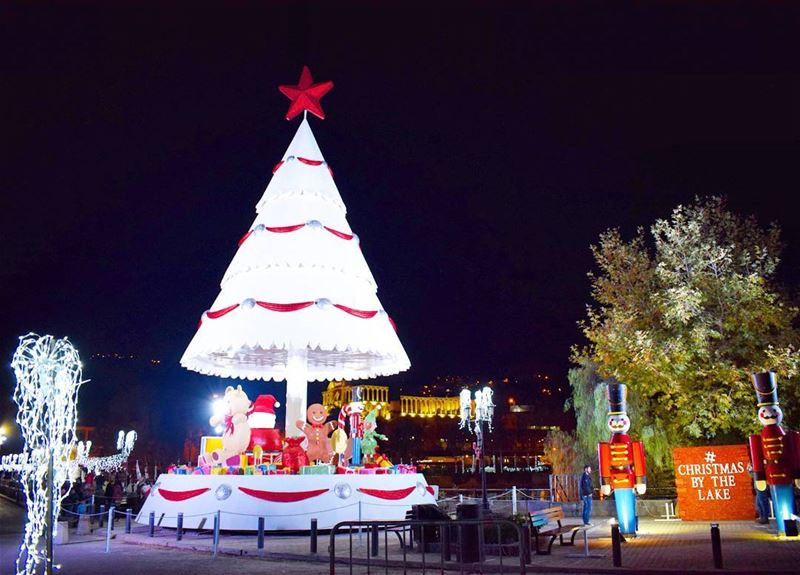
x,y
474,413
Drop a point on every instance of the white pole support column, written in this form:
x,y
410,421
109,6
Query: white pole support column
x,y
296,390
514,500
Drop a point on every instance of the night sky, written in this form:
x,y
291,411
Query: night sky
x,y
480,148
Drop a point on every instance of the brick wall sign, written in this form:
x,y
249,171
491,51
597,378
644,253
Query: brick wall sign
x,y
713,483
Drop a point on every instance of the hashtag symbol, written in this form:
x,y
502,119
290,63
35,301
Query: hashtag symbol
x,y
711,457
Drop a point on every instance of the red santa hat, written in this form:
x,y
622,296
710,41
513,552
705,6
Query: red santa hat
x,y
265,404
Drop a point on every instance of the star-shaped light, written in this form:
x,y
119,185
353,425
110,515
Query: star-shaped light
x,y
306,95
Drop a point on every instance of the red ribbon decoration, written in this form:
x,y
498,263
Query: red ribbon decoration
x,y
287,229
288,307
306,161
282,496
339,234
356,312
220,312
284,307
392,494
181,495
429,489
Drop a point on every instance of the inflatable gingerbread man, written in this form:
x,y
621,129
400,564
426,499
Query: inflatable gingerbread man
x,y
317,430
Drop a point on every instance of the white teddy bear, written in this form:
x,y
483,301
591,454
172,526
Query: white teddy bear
x,y
236,436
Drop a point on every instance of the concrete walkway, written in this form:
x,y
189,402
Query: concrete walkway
x,y
660,547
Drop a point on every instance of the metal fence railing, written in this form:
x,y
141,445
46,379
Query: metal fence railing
x,y
465,545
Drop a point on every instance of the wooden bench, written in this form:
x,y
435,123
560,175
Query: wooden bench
x,y
547,523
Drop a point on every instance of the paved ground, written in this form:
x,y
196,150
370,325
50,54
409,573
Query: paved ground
x,y
660,546
663,547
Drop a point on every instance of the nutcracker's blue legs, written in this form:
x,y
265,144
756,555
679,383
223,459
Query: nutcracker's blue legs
x,y
625,500
782,505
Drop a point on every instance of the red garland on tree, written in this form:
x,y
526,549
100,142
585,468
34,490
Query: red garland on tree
x,y
306,95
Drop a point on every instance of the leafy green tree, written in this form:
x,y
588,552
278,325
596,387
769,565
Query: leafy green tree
x,y
591,408
684,321
590,405
560,452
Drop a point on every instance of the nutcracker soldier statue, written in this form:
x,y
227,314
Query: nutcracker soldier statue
x,y
775,452
622,467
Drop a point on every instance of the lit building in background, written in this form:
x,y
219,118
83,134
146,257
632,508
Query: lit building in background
x,y
421,428
339,393
428,406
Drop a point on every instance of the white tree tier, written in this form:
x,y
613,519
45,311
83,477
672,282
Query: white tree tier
x,y
298,300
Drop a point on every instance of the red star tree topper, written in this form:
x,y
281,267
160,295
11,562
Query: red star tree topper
x,y
306,95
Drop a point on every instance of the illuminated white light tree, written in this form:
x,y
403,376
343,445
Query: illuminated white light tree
x,y
48,373
298,301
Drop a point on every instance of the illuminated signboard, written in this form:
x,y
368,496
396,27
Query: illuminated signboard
x,y
713,483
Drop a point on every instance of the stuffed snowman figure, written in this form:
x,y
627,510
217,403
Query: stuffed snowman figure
x,y
262,424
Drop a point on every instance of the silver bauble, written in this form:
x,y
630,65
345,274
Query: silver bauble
x,y
342,490
223,492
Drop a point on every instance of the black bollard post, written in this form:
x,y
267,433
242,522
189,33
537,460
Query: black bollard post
x,y
260,533
102,514
445,532
112,516
615,545
128,517
374,542
716,546
152,524
179,530
526,542
313,536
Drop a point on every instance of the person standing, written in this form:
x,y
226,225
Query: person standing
x,y
586,491
762,499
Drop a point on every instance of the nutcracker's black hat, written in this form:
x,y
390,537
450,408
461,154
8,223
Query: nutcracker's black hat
x,y
766,385
617,394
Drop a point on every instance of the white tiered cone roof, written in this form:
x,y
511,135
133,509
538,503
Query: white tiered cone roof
x,y
320,261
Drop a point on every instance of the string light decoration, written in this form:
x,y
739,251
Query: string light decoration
x,y
481,411
472,416
48,373
125,443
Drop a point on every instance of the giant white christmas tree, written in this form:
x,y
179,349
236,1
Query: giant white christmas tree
x,y
298,302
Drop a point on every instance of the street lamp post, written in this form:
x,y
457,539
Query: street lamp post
x,y
484,496
474,413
